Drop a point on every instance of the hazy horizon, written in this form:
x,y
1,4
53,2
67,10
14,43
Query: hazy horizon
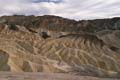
x,y
72,9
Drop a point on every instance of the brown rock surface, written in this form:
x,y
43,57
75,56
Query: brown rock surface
x,y
68,46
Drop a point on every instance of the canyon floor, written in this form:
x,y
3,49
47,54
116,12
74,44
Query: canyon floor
x,y
46,76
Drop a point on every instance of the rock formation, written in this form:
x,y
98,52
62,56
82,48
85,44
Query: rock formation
x,y
58,45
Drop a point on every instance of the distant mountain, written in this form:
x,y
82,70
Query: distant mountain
x,y
62,24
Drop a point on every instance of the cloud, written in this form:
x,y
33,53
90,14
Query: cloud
x,y
74,9
54,1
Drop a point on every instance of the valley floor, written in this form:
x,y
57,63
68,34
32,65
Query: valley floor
x,y
45,76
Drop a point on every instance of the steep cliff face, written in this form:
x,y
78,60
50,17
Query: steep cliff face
x,y
58,45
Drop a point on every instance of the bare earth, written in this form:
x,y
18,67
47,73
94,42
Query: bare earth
x,y
45,76
54,48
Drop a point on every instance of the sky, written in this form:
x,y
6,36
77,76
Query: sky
x,y
73,9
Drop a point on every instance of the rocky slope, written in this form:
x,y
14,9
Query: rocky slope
x,y
58,45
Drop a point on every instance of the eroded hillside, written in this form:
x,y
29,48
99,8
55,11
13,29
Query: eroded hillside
x,y
67,46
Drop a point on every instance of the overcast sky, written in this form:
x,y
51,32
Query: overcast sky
x,y
74,9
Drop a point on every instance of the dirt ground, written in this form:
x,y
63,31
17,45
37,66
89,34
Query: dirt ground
x,y
45,76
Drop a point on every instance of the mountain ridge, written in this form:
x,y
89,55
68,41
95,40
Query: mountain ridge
x,y
58,26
